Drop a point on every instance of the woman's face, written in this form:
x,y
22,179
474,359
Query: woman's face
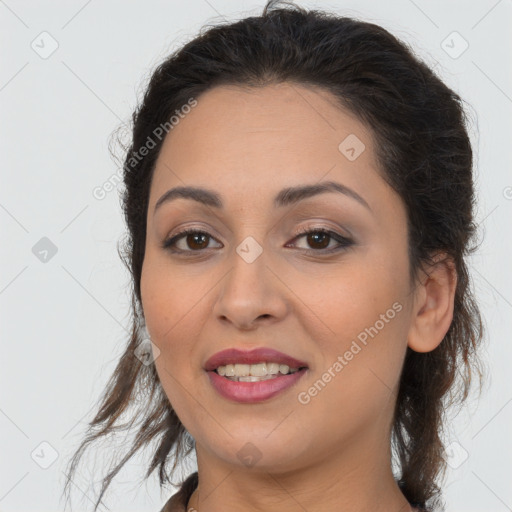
x,y
249,279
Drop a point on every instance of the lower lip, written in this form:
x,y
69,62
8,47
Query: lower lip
x,y
250,392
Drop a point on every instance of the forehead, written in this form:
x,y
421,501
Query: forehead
x,y
254,141
280,115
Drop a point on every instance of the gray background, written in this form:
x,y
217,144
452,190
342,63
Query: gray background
x,y
64,320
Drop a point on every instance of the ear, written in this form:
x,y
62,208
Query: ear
x,y
432,312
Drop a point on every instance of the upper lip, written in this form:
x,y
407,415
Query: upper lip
x,y
254,356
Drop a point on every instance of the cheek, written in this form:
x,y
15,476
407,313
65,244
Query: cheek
x,y
361,317
342,300
168,298
172,310
354,385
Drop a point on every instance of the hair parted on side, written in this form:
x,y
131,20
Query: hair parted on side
x,y
424,153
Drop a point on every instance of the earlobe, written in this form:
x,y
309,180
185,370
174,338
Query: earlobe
x,y
434,304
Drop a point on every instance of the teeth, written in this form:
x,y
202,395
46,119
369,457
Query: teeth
x,y
272,368
245,371
284,368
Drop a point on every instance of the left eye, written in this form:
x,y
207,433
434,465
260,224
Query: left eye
x,y
320,238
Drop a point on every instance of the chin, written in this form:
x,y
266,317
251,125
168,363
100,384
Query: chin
x,y
258,451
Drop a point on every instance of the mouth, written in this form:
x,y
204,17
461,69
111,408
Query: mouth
x,y
253,376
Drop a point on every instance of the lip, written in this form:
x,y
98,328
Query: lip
x,y
254,356
251,392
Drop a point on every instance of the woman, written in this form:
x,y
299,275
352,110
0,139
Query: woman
x,y
299,198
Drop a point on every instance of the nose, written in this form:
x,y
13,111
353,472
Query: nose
x,y
251,294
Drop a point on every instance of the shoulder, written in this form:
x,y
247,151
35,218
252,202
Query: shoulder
x,y
178,502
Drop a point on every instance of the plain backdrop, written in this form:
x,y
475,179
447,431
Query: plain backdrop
x,y
71,73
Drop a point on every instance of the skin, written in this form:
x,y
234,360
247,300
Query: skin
x,y
332,453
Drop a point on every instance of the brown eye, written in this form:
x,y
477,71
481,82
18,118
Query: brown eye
x,y
195,241
318,240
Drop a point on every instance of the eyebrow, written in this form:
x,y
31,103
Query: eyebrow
x,y
285,197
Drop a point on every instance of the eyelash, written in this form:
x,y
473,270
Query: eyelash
x,y
343,242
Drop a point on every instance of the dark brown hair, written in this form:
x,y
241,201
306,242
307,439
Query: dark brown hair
x,y
424,153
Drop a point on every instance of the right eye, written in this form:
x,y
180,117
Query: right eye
x,y
195,239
